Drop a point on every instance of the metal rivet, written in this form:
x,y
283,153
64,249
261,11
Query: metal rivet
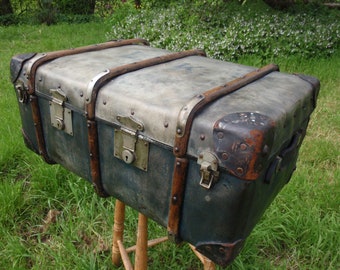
x,y
179,131
202,137
178,163
104,102
166,124
225,156
174,199
132,112
239,170
176,149
87,99
243,146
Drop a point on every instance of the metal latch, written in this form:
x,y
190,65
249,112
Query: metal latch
x,y
130,147
22,92
61,117
209,169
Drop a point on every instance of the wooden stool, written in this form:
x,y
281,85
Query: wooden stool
x,y
120,253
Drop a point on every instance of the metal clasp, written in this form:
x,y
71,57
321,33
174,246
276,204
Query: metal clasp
x,y
209,169
61,117
22,92
128,145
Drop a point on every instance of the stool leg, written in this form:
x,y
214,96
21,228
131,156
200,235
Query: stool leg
x,y
141,259
118,230
207,263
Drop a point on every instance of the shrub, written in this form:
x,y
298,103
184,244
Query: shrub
x,y
226,34
9,19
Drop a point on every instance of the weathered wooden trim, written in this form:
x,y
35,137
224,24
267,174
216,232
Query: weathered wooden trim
x,y
105,78
57,54
39,129
94,158
118,71
183,129
184,125
35,105
177,197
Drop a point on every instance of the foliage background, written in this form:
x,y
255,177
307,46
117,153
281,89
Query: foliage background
x,y
51,219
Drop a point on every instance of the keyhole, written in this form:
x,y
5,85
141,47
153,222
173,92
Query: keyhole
x,y
60,124
128,156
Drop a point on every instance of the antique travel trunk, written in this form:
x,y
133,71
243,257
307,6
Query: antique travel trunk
x,y
201,146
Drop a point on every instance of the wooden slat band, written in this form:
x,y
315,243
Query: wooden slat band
x,y
183,134
177,197
57,54
94,158
39,130
184,125
105,78
54,55
118,71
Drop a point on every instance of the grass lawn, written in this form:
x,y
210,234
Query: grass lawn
x,y
300,230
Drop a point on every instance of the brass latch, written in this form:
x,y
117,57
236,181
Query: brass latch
x,y
61,117
209,169
128,145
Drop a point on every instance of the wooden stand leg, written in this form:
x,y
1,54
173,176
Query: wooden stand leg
x,y
141,259
118,230
119,253
207,264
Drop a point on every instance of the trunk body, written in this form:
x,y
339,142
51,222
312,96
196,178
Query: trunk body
x,y
200,146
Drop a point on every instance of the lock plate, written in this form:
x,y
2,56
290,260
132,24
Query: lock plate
x,y
128,145
61,117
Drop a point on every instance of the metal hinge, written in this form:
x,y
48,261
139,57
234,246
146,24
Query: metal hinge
x,y
61,117
128,146
209,169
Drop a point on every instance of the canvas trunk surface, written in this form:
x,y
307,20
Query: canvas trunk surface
x,y
199,145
